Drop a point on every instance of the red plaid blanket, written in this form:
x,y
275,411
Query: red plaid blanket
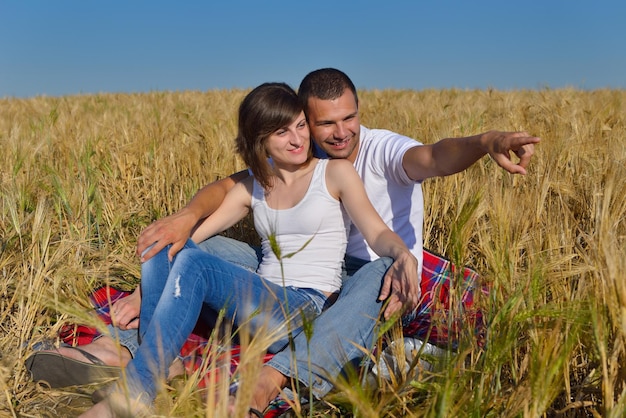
x,y
447,305
446,308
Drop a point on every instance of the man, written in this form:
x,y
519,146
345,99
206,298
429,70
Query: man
x,y
392,168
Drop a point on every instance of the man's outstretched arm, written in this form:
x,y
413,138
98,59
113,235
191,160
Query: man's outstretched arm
x,y
177,228
453,155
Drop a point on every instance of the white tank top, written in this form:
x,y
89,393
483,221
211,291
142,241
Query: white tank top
x,y
318,219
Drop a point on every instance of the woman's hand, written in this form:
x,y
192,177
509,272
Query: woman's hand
x,y
401,285
125,312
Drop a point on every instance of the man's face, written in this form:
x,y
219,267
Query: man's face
x,y
335,125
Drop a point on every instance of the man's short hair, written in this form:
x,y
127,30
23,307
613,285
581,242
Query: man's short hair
x,y
325,84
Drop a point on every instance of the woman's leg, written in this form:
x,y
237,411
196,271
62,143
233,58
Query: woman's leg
x,y
154,275
154,272
196,278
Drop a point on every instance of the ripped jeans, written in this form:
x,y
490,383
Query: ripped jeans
x,y
174,293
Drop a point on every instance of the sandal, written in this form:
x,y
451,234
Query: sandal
x,y
60,371
256,412
232,390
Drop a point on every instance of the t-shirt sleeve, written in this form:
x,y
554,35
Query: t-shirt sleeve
x,y
391,149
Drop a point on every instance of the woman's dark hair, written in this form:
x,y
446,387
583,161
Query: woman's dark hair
x,y
325,84
266,109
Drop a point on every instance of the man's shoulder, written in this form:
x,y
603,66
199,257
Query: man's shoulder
x,y
376,132
385,137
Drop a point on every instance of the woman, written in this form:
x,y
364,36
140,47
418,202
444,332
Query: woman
x,y
297,203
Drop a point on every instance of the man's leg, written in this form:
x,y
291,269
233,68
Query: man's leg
x,y
340,333
233,251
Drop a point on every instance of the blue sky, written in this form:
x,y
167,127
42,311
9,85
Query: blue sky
x,y
64,47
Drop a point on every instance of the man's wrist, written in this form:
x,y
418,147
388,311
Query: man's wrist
x,y
192,213
483,141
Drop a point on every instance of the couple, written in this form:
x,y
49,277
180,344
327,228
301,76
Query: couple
x,y
392,168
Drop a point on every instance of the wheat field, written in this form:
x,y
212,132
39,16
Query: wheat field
x,y
81,176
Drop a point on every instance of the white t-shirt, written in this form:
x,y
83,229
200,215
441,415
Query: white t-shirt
x,y
397,199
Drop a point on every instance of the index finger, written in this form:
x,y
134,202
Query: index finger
x,y
394,304
152,250
134,324
131,324
522,141
385,288
145,240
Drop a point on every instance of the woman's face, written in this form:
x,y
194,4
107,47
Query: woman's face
x,y
290,144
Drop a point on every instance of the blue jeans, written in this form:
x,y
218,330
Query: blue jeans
x,y
172,297
339,332
127,338
236,252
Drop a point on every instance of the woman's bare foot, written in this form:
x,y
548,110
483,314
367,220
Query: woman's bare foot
x,y
104,348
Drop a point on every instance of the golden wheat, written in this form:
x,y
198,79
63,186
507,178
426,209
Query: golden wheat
x,y
82,175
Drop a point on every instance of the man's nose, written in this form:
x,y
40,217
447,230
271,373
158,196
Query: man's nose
x,y
341,131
